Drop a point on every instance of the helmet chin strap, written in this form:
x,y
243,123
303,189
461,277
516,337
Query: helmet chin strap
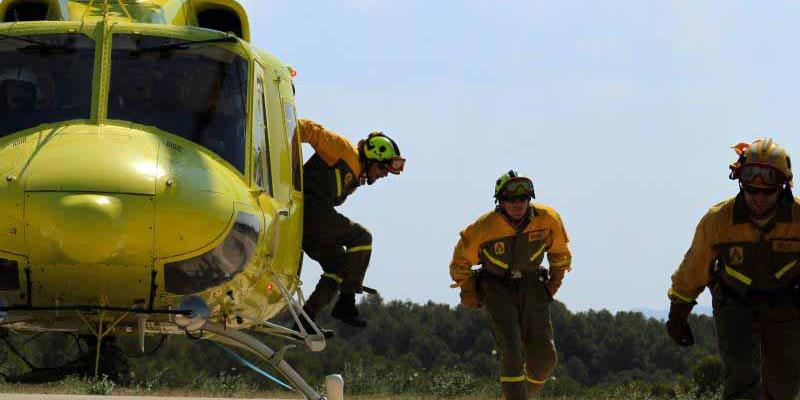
x,y
366,178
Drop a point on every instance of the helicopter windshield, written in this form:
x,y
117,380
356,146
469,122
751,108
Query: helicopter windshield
x,y
196,91
44,78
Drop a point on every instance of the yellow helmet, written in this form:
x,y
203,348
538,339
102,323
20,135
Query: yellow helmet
x,y
762,162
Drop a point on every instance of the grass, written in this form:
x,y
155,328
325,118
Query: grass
x,y
227,387
213,388
365,384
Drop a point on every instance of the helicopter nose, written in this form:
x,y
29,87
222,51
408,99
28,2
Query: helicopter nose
x,y
89,197
87,214
67,228
105,206
116,195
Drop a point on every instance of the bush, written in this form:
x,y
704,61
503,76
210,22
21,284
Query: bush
x,y
154,380
361,380
73,384
562,386
707,375
226,384
101,386
452,382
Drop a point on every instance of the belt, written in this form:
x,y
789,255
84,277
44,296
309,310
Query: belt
x,y
778,297
541,275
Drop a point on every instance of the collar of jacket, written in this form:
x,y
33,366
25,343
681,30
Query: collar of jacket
x,y
521,224
783,212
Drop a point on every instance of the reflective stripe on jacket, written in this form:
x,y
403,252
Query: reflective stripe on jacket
x,y
334,171
746,257
494,243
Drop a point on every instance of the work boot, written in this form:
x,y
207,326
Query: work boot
x,y
345,310
323,294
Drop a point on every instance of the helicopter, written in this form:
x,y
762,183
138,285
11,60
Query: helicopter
x,y
150,176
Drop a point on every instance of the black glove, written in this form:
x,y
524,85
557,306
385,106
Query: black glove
x,y
678,324
469,293
368,290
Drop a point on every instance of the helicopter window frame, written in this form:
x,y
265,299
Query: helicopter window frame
x,y
198,120
293,136
262,160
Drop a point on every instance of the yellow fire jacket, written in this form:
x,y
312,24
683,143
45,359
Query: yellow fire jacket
x,y
499,247
745,257
334,171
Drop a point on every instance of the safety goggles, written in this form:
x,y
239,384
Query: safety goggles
x,y
754,191
767,175
394,165
517,187
522,198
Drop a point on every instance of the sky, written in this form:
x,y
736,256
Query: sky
x,y
622,112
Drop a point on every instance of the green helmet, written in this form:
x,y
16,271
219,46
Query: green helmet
x,y
380,148
512,184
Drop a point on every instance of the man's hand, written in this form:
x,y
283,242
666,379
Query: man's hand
x,y
678,324
469,293
556,277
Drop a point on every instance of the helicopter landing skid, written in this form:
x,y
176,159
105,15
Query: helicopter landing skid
x,y
253,345
305,331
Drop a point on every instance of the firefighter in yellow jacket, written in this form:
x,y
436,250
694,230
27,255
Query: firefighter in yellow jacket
x,y
746,250
510,244
341,247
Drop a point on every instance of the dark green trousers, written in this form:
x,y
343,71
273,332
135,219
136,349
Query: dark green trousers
x,y
759,343
519,314
341,247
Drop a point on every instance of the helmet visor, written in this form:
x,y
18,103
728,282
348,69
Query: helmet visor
x,y
755,173
517,187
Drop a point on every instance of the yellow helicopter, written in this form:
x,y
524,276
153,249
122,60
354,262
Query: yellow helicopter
x,y
150,175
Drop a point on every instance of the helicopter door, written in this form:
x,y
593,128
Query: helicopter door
x,y
296,160
289,212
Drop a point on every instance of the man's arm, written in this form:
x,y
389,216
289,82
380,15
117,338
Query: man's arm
x,y
688,282
559,258
693,274
465,256
328,144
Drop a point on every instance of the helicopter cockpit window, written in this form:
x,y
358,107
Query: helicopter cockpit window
x,y
44,79
195,90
